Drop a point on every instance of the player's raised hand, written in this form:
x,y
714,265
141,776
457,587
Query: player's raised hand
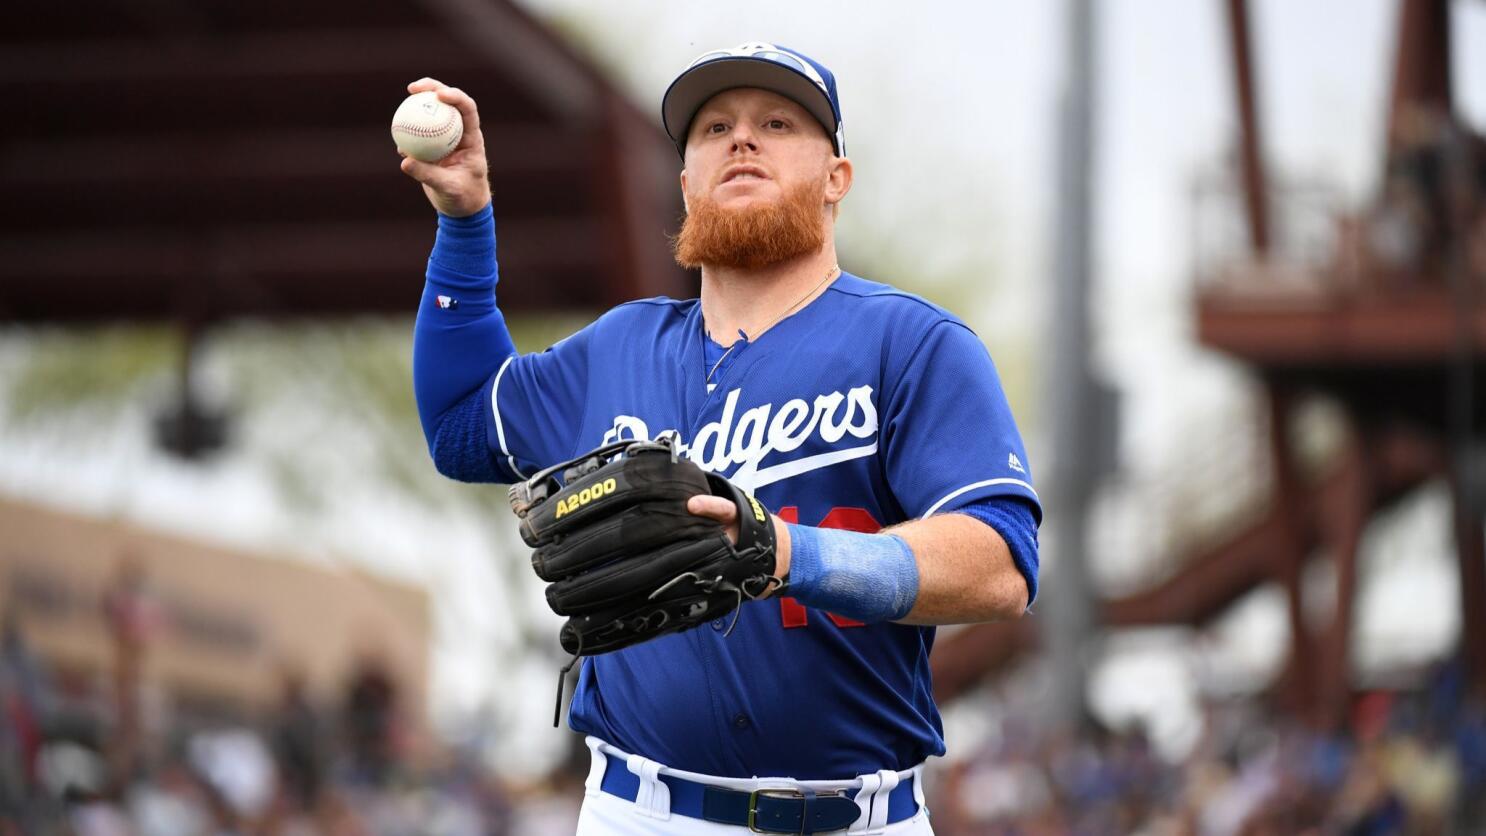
x,y
459,184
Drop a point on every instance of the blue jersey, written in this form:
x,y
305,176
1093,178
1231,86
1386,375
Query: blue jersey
x,y
867,407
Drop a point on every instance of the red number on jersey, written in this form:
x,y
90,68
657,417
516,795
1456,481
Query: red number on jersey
x,y
791,612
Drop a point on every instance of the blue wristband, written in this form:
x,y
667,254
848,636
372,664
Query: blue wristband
x,y
868,577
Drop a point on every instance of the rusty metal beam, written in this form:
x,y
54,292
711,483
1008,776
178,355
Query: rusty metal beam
x,y
1295,538
208,157
1208,582
1421,66
1251,160
567,241
252,83
284,269
1343,523
262,56
1470,551
1300,334
1225,571
332,174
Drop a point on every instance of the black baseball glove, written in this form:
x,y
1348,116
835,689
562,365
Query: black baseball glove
x,y
625,561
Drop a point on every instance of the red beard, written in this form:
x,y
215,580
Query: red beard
x,y
755,236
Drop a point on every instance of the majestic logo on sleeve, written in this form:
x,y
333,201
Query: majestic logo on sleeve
x,y
766,433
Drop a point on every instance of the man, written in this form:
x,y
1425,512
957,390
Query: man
x,y
843,405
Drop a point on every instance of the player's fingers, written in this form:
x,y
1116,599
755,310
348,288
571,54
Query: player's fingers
x,y
716,508
471,139
713,507
466,106
430,174
425,83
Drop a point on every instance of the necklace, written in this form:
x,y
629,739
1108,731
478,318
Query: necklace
x,y
770,324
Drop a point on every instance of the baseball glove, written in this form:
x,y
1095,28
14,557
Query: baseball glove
x,y
624,560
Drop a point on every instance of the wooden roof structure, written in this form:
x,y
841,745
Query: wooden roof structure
x,y
197,161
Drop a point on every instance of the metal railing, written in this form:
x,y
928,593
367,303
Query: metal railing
x,y
1306,219
1148,522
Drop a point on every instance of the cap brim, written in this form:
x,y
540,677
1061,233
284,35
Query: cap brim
x,y
694,87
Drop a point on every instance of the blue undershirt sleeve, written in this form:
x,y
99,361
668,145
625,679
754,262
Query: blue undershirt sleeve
x,y
460,340
1013,518
460,447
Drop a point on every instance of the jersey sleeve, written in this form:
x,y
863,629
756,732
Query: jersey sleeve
x,y
488,413
535,405
949,435
459,336
1015,520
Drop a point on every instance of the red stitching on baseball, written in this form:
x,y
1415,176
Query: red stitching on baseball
x,y
418,131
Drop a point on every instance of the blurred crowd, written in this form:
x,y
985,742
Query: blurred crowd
x,y
75,759
108,754
1408,762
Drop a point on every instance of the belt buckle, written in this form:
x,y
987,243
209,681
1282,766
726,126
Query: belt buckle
x,y
783,792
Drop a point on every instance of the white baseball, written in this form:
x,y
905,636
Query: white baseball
x,y
425,128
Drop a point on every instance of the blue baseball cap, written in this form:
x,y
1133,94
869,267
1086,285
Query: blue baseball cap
x,y
771,67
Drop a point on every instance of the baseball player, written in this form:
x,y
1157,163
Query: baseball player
x,y
870,425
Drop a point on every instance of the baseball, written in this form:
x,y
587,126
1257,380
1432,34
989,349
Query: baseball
x,y
425,128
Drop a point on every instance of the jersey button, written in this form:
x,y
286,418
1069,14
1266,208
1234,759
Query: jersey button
x,y
741,722
717,623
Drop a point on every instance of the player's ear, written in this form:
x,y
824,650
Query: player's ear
x,y
684,204
838,179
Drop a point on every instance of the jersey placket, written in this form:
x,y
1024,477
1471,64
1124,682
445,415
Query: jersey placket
x,y
731,724
717,359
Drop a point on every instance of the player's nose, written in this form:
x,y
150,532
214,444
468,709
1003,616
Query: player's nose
x,y
744,137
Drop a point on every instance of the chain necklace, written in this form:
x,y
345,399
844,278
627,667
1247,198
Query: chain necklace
x,y
829,273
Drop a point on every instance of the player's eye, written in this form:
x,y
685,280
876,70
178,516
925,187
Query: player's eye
x,y
717,128
775,124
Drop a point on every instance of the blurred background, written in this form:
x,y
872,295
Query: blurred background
x,y
1229,256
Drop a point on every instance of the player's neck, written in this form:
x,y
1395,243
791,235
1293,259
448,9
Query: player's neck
x,y
755,300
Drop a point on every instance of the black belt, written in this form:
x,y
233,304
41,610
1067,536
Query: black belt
x,y
762,811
